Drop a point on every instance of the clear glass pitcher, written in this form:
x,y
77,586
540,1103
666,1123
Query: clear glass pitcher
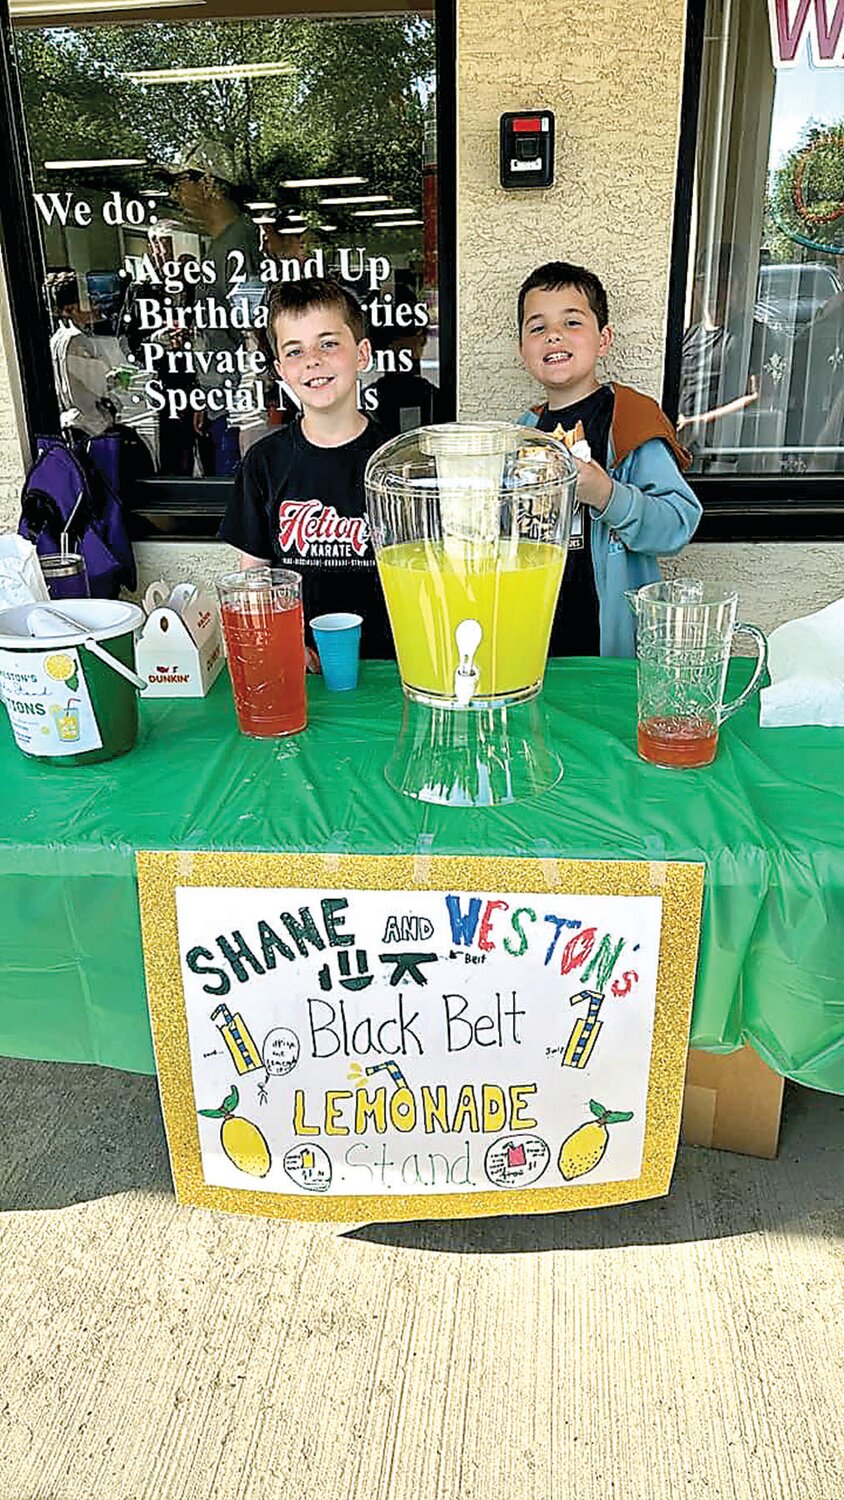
x,y
261,611
684,636
470,526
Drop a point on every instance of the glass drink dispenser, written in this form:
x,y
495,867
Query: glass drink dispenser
x,y
470,526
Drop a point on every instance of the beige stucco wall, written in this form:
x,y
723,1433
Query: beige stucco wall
x,y
776,581
612,77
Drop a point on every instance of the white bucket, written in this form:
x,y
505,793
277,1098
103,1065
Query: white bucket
x,y
67,703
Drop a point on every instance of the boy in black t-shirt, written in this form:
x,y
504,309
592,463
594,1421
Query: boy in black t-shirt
x,y
299,498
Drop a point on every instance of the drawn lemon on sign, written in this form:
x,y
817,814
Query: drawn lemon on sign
x,y
582,1150
241,1141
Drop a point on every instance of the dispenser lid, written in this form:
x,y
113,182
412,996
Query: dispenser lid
x,y
501,455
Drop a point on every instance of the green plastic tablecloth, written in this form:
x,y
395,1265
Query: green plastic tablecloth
x,y
767,819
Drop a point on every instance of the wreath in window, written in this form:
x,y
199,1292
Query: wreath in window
x,y
807,196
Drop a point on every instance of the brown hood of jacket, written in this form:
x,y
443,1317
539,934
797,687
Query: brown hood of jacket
x,y
636,419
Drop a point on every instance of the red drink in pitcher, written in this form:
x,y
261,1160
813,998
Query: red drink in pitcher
x,y
265,645
684,740
684,635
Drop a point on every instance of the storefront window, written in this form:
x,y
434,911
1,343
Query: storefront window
x,y
181,168
762,383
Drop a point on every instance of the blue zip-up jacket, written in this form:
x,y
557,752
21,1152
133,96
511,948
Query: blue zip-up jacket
x,y
651,511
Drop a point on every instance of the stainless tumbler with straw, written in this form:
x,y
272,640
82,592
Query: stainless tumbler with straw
x,y
65,573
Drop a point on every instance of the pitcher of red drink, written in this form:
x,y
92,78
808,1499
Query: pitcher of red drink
x,y
684,636
263,625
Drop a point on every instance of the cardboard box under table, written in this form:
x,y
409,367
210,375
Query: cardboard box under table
x,y
732,1103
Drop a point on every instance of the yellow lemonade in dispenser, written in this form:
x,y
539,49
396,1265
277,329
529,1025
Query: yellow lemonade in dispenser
x,y
509,587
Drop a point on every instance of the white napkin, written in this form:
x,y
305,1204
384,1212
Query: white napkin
x,y
21,579
806,664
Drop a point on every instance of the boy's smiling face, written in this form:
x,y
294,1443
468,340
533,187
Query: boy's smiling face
x,y
561,343
319,357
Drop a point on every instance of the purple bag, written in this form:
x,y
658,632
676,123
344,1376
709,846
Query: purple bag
x,y
73,487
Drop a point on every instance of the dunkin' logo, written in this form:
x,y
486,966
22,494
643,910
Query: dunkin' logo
x,y
168,674
307,525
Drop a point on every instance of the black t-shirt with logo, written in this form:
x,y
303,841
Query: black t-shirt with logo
x,y
576,629
304,507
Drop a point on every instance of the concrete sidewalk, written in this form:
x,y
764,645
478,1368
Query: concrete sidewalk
x,y
688,1347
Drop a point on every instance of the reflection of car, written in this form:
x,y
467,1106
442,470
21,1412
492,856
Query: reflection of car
x,y
789,296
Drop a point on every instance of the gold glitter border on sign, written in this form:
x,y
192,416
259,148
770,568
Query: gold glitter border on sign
x,y
680,885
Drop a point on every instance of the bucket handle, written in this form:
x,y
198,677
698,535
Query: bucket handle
x,y
111,661
96,649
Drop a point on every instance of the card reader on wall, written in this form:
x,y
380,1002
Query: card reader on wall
x,y
527,149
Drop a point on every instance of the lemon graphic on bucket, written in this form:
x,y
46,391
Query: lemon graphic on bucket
x,y
241,1141
582,1150
62,668
59,666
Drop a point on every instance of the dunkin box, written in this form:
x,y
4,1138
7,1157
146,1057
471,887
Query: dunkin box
x,y
180,651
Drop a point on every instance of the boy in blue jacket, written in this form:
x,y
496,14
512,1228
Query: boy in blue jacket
x,y
634,501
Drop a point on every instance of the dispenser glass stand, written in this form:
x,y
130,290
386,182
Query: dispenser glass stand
x,y
470,527
483,757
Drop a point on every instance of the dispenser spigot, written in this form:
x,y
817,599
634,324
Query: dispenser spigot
x,y
468,636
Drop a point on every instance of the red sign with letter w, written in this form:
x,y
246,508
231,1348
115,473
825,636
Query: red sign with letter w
x,y
792,21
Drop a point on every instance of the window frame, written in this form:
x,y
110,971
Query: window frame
x,y
169,508
767,507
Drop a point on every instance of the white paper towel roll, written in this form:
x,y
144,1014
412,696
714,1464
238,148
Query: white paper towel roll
x,y
806,665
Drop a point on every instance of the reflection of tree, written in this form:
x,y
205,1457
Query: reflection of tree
x,y
806,200
351,105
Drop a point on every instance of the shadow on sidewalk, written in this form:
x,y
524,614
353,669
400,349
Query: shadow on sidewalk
x,y
714,1195
72,1133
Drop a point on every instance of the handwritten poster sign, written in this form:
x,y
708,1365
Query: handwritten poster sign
x,y
351,1037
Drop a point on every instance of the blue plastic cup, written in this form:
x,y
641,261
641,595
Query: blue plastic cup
x,y
337,639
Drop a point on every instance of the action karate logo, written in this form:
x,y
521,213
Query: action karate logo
x,y
310,529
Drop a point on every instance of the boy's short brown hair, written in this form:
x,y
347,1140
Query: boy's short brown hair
x,y
556,274
308,292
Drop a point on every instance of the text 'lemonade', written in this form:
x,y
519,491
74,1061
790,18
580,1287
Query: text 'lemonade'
x,y
266,655
510,589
